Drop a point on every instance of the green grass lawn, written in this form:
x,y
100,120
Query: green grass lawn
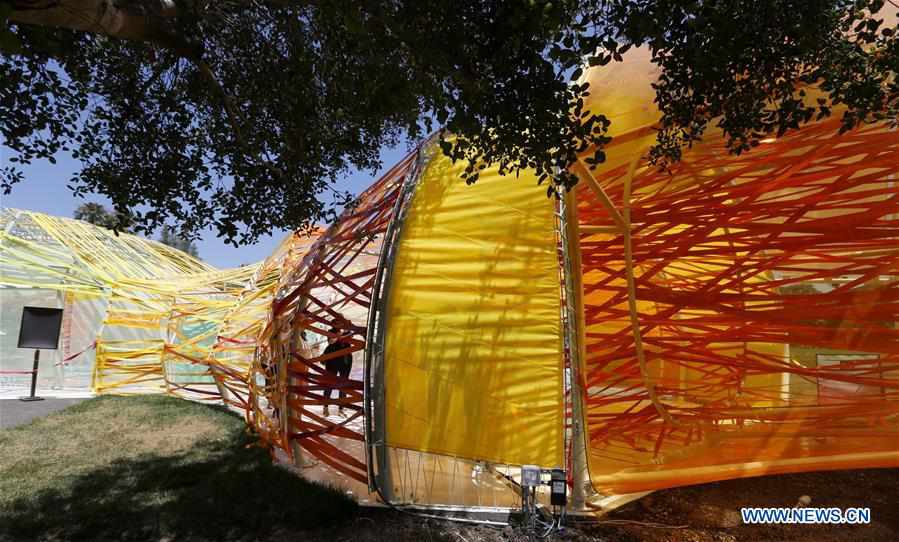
x,y
150,468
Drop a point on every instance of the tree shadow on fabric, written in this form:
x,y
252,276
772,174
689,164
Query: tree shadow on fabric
x,y
226,489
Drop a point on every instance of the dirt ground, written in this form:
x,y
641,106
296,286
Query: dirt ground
x,y
706,513
711,511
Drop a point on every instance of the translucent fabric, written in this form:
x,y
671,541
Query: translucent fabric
x,y
474,347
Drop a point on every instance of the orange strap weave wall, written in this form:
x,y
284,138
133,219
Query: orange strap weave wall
x,y
767,288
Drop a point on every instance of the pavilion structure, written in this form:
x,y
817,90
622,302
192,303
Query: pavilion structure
x,y
732,316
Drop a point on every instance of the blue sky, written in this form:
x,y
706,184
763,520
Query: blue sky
x,y
44,190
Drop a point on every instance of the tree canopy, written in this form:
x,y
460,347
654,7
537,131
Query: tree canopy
x,y
98,215
168,237
240,115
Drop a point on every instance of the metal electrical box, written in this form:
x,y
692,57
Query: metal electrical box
x,y
530,476
558,488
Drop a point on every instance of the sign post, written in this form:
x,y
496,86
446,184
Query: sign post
x,y
39,329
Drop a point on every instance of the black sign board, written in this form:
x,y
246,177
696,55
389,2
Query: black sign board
x,y
40,328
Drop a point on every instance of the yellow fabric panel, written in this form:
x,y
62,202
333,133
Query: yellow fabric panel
x,y
473,364
623,94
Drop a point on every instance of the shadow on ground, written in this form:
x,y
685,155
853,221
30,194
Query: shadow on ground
x,y
213,491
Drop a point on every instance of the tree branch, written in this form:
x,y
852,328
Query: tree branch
x,y
146,25
98,16
104,17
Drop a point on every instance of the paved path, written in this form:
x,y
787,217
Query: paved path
x,y
14,412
